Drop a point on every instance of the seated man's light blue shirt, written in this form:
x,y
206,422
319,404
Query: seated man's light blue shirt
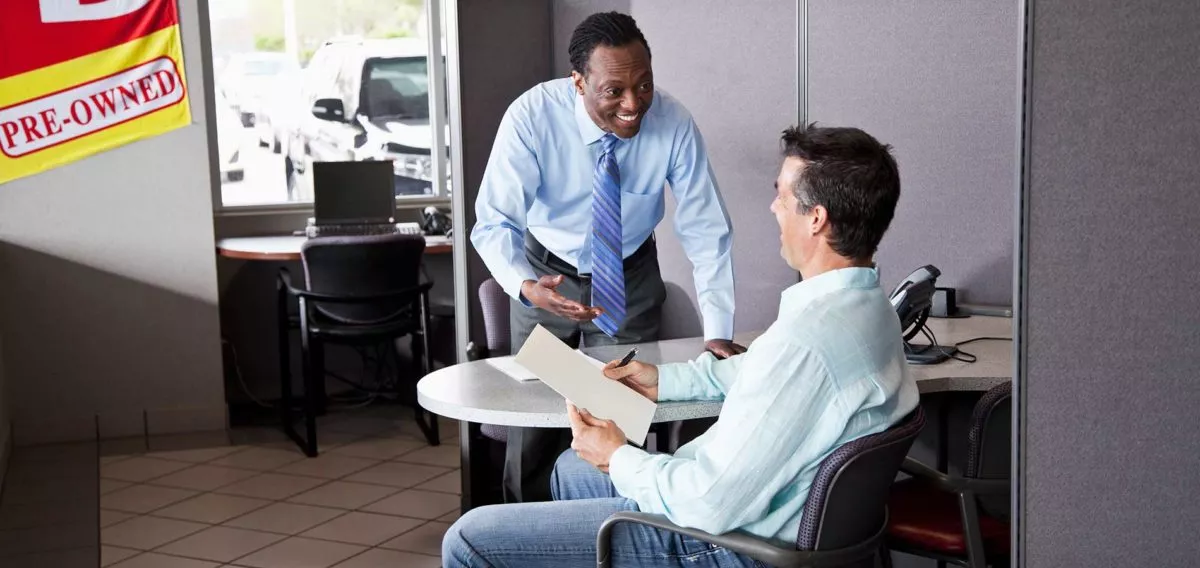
x,y
829,370
539,178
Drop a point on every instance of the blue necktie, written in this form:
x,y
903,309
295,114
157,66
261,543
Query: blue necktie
x,y
608,270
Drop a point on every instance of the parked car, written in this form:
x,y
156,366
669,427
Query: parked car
x,y
366,100
248,78
229,141
278,113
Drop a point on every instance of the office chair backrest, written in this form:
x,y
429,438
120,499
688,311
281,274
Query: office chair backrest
x,y
989,445
495,317
847,502
363,265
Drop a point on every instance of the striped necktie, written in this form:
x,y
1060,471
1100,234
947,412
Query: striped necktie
x,y
608,271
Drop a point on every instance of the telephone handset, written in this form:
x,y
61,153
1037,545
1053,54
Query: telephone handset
x,y
913,299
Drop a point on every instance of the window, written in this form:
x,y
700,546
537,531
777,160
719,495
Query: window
x,y
280,64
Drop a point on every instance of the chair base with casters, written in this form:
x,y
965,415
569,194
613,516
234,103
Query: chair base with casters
x,y
845,517
317,331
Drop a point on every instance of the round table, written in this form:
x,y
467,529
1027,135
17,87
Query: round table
x,y
478,392
287,247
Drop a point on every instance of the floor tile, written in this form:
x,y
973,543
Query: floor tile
x,y
110,518
445,456
397,474
198,456
147,533
109,485
143,498
155,560
110,555
379,558
212,508
135,445
426,539
328,466
221,544
285,518
363,528
378,448
204,477
139,469
301,553
451,516
273,486
418,504
447,483
258,459
344,495
105,460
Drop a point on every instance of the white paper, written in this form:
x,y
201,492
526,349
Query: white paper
x,y
578,379
509,366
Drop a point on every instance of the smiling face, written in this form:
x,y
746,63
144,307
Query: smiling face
x,y
618,87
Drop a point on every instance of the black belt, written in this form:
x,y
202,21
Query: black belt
x,y
535,249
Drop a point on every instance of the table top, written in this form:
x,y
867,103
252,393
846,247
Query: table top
x,y
287,247
478,392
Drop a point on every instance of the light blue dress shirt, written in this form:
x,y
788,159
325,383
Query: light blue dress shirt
x,y
539,178
829,370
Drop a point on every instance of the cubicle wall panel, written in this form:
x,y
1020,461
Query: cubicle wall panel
x,y
1113,345
938,81
733,65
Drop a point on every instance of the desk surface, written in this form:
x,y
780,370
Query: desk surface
x,y
287,247
477,392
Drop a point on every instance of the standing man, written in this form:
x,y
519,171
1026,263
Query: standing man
x,y
568,206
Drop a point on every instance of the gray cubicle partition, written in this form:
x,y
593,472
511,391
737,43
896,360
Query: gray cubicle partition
x,y
938,81
1110,354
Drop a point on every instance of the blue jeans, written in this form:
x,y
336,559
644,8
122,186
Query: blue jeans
x,y
562,533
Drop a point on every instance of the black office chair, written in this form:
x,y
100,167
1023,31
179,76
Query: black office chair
x,y
360,290
844,518
961,519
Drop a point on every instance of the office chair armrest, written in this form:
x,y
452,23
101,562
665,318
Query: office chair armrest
x,y
953,483
285,283
738,542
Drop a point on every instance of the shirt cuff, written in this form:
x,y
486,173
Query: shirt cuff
x,y
673,381
623,469
718,325
513,280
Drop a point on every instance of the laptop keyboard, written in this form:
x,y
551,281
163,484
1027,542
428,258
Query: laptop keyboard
x,y
366,229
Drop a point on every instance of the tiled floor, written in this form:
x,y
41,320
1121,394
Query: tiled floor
x,y
377,496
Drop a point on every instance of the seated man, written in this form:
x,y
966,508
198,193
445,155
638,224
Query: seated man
x,y
829,370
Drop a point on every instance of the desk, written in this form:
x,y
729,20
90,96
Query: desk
x,y
287,247
475,392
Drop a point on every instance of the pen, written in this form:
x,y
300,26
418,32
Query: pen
x,y
628,357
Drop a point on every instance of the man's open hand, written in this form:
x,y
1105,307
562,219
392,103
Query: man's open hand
x,y
543,293
595,440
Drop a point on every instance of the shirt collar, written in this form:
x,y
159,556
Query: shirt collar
x,y
800,294
587,127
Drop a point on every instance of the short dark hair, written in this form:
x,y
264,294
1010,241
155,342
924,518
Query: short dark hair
x,y
613,29
853,176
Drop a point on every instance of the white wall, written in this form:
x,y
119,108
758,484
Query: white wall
x,y
110,289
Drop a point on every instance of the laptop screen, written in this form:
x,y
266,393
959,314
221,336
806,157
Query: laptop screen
x,y
353,193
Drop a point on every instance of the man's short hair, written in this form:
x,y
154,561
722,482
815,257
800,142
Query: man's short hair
x,y
853,176
613,29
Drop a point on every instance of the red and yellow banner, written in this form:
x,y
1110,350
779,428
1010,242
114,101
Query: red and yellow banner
x,y
78,77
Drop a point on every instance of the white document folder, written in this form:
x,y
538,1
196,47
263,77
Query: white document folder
x,y
572,375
